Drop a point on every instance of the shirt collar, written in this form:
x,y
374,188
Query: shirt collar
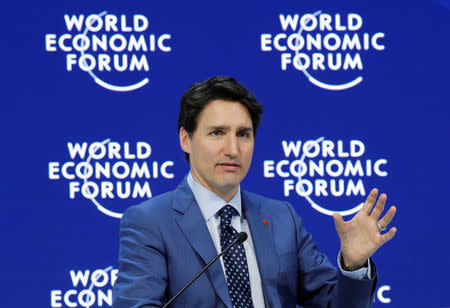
x,y
209,202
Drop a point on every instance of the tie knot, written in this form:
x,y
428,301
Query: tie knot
x,y
226,213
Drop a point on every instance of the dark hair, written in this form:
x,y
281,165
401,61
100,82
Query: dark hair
x,y
201,93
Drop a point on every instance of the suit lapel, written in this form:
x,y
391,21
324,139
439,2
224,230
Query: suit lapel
x,y
263,241
193,226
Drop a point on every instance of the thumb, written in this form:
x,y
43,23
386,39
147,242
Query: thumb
x,y
338,222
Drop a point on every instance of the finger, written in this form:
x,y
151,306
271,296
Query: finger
x,y
388,217
338,222
388,235
379,207
370,201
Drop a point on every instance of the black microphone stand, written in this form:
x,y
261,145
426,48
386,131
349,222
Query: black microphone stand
x,y
241,237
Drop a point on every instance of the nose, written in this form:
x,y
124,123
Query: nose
x,y
231,147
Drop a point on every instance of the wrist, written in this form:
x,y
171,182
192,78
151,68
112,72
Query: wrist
x,y
350,267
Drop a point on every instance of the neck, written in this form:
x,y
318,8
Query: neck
x,y
226,195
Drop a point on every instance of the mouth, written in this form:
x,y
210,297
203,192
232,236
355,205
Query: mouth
x,y
229,166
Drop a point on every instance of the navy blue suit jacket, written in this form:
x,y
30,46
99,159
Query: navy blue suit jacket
x,y
164,243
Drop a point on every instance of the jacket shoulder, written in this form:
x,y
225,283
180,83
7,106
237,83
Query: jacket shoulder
x,y
156,208
265,202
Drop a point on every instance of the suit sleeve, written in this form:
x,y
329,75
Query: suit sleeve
x,y
320,284
142,277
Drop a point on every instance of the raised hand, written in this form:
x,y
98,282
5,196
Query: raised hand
x,y
362,235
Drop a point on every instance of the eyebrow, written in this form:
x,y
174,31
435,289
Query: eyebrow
x,y
246,129
223,127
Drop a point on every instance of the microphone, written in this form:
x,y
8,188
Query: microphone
x,y
240,238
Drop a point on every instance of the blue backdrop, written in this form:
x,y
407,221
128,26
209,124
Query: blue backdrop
x,y
90,94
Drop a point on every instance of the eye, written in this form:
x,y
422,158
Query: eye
x,y
216,133
244,134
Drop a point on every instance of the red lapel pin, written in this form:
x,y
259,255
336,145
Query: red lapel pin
x,y
265,222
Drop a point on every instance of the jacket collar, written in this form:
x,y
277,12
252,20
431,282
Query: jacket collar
x,y
261,228
193,226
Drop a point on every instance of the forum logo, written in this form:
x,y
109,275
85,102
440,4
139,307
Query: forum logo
x,y
113,49
332,175
89,289
328,49
109,170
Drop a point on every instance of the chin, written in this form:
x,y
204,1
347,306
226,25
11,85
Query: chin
x,y
230,179
229,185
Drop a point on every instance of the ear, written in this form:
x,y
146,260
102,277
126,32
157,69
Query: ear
x,y
185,140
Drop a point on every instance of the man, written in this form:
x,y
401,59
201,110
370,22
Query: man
x,y
167,240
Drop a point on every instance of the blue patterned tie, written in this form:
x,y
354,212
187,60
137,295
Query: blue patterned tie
x,y
235,261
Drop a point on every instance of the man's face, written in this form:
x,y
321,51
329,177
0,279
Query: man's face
x,y
221,147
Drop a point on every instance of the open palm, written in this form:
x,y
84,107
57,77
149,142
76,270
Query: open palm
x,y
361,236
